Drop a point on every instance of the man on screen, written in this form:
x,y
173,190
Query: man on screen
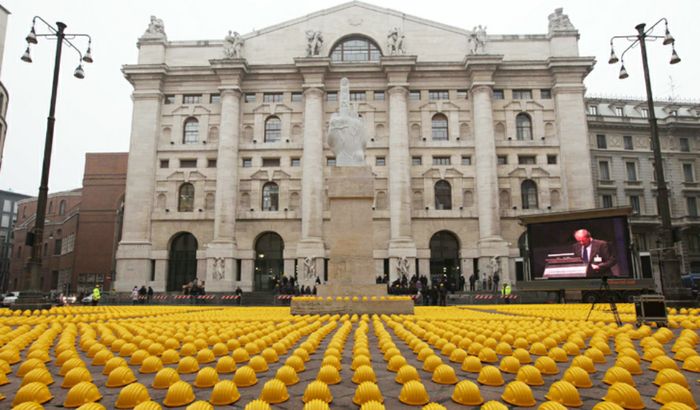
x,y
595,253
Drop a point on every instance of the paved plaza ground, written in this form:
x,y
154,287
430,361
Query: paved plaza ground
x,y
438,337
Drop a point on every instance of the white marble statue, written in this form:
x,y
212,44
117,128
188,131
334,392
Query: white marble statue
x,y
309,268
233,43
477,40
155,29
347,136
219,268
559,21
395,42
314,42
402,267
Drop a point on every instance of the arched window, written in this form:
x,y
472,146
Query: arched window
x,y
270,197
185,199
528,190
440,127
50,206
190,135
355,50
443,195
523,127
273,129
62,208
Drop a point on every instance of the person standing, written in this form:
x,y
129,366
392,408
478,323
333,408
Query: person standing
x,y
96,295
135,295
496,280
472,282
149,294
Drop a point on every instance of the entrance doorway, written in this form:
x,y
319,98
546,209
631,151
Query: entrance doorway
x,y
444,258
269,262
182,261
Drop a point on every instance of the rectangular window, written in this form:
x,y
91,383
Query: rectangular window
x,y
634,203
188,163
249,97
416,160
5,223
546,94
330,161
434,95
604,170
441,160
192,98
498,95
619,111
522,94
296,162
601,142
332,96
214,98
551,159
272,97
270,162
169,99
462,94
593,109
692,204
627,140
684,144
414,95
57,244
526,160
380,161
645,113
211,163
466,160
297,97
607,201
358,96
247,162
379,96
631,169
7,205
164,163
502,159
238,270
688,174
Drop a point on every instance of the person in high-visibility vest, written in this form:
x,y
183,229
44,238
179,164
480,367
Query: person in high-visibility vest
x,y
96,295
506,292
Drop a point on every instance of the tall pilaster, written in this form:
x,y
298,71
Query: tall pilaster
x,y
401,243
480,69
572,129
311,244
134,252
222,250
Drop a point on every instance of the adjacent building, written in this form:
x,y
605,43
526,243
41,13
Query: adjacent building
x,y
4,96
623,170
8,216
467,131
81,230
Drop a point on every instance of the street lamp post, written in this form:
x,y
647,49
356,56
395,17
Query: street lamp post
x,y
31,295
669,262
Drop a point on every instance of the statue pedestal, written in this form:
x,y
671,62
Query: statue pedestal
x,y
350,238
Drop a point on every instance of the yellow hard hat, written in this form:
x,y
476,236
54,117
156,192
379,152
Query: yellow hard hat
x,y
132,395
518,393
467,393
224,393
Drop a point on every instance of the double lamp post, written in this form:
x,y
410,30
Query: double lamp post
x,y
668,260
32,295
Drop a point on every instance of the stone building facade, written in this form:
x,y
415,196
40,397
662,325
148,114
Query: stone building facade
x,y
4,96
623,170
8,217
229,158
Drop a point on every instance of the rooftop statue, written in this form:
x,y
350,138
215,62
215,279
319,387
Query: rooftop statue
x,y
233,43
156,28
559,21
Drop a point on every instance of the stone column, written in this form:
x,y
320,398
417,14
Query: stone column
x,y
312,170
227,167
134,252
572,130
485,161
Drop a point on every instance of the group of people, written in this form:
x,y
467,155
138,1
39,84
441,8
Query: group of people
x,y
489,283
141,295
290,286
194,288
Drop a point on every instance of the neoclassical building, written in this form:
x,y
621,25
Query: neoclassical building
x,y
467,131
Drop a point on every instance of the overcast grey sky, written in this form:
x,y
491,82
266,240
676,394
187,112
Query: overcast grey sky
x,y
94,114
